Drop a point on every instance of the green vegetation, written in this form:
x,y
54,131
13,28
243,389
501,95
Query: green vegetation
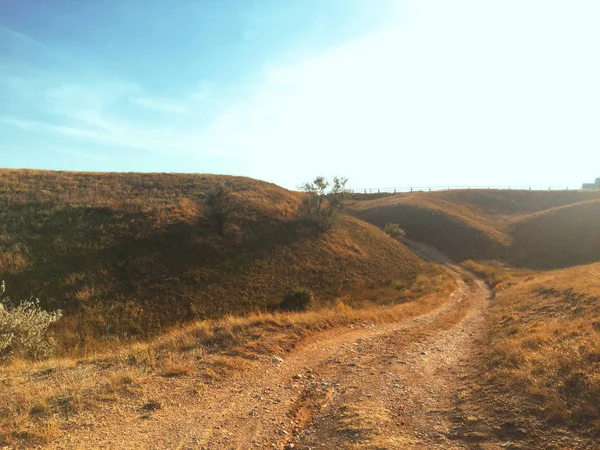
x,y
394,230
298,299
325,202
24,328
219,207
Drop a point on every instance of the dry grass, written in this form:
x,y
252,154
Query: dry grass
x,y
128,256
496,274
542,361
559,237
40,397
459,230
534,229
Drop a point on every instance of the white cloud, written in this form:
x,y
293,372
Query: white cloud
x,y
467,84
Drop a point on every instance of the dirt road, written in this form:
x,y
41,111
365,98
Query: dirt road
x,y
379,387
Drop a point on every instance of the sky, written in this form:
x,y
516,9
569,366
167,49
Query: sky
x,y
388,93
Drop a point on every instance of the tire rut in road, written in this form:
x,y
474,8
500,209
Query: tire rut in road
x,y
395,390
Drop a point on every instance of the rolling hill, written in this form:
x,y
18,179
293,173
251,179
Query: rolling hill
x,y
536,229
559,237
126,255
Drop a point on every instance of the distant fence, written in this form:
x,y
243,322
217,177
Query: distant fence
x,y
395,190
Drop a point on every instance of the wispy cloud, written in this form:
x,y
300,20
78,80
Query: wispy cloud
x,y
100,111
204,90
24,38
165,140
32,42
161,105
30,125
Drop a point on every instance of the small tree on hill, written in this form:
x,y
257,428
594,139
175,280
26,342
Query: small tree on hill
x,y
219,204
298,299
394,230
325,201
24,328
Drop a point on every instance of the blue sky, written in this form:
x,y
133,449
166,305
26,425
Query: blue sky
x,y
385,92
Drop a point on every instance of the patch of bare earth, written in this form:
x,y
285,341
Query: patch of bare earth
x,y
396,389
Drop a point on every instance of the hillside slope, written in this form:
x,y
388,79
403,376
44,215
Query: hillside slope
x,y
540,365
128,254
536,229
560,237
458,229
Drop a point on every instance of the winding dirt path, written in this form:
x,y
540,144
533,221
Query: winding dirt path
x,y
378,387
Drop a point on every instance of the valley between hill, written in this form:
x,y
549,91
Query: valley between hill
x,y
172,337
528,229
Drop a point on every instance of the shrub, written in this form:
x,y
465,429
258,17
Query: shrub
x,y
298,299
323,206
24,328
219,205
394,230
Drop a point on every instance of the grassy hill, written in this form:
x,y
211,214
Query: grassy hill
x,y
540,365
559,237
459,229
536,229
126,255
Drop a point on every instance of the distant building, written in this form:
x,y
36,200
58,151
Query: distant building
x,y
591,186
